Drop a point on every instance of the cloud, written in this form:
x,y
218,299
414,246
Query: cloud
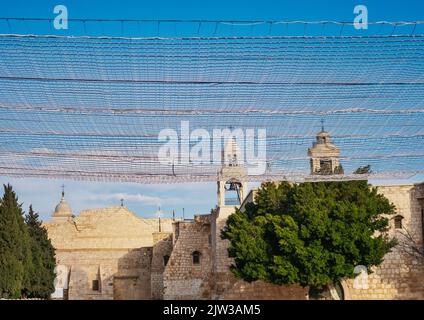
x,y
141,198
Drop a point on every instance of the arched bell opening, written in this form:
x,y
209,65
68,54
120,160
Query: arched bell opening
x,y
233,192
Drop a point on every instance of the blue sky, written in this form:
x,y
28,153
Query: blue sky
x,y
219,9
194,197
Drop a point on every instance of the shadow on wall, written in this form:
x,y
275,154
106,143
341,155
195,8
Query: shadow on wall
x,y
132,281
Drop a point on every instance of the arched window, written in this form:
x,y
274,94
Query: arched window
x,y
165,260
196,257
398,221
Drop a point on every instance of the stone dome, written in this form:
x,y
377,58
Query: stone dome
x,y
63,209
323,134
323,137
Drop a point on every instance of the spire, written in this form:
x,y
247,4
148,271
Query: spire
x,y
63,191
158,214
122,202
322,125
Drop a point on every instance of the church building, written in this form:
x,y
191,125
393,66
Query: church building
x,y
111,253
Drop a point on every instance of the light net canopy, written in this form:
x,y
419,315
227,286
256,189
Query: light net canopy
x,y
91,105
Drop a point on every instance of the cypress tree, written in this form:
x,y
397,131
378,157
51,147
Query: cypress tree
x,y
42,275
15,254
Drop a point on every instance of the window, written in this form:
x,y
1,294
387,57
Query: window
x,y
196,257
95,285
398,221
325,166
165,260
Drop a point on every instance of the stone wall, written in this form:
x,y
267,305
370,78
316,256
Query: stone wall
x,y
401,276
223,279
162,248
113,227
111,245
132,281
259,290
182,278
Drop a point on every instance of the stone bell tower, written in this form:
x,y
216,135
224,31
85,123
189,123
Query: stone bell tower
x,y
324,155
231,177
231,191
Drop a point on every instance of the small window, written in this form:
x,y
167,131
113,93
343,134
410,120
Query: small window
x,y
95,285
398,222
165,260
196,257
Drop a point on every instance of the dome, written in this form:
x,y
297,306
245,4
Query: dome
x,y
63,209
323,137
323,134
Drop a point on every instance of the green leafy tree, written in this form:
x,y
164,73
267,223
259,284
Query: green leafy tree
x,y
15,254
43,258
363,170
312,234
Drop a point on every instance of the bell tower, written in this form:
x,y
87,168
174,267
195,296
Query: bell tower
x,y
231,177
231,188
324,155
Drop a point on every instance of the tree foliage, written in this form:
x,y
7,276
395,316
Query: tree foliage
x,y
312,234
43,258
26,260
14,246
363,170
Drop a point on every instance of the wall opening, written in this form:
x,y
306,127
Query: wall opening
x,y
95,285
165,260
398,222
196,257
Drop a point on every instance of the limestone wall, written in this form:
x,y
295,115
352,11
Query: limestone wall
x,y
182,278
223,279
111,245
162,247
259,290
401,276
113,227
106,266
